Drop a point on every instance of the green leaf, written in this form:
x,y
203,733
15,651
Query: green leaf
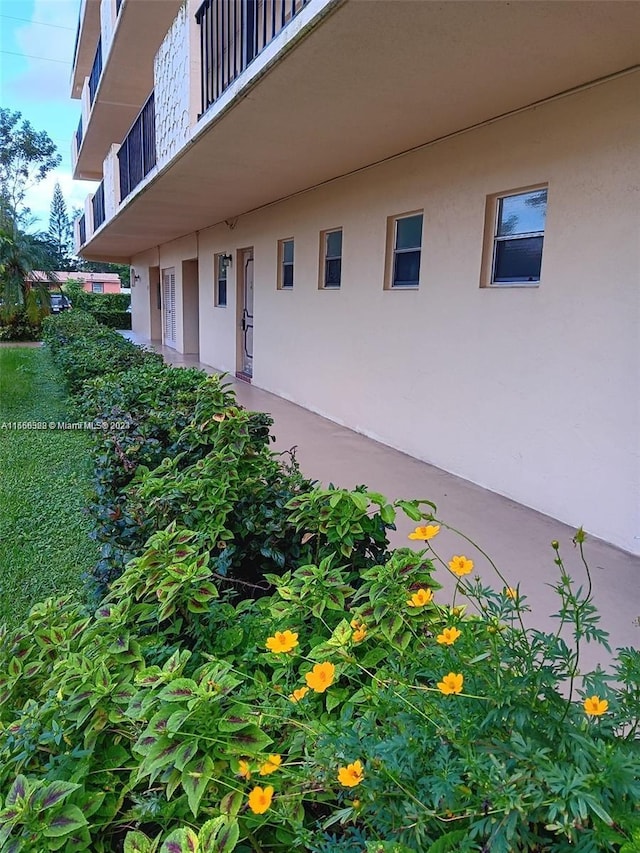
x,y
249,741
181,841
180,690
195,778
65,822
54,793
227,837
137,842
448,843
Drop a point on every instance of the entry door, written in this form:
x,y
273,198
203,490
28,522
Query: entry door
x,y
246,323
169,307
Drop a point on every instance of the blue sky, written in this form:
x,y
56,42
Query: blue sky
x,y
36,49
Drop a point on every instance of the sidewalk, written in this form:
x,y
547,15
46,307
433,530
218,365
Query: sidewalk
x,y
515,537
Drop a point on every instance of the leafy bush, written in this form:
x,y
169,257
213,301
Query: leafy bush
x,y
113,319
83,348
95,302
16,325
350,710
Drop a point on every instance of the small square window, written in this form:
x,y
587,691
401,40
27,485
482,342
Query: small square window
x,y
221,265
285,264
405,249
331,259
515,238
97,287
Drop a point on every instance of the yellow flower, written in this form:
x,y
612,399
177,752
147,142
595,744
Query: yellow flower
x,y
511,593
243,769
451,683
460,565
260,799
299,694
271,765
359,632
321,676
425,533
351,775
282,641
594,706
420,598
448,636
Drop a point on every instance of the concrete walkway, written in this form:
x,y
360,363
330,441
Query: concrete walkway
x,y
515,537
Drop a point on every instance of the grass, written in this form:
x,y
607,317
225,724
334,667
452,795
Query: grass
x,y
44,530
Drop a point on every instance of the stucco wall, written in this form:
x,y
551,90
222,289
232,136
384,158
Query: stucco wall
x,y
531,392
172,97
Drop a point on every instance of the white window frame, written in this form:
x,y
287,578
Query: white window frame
x,y
282,264
324,257
392,251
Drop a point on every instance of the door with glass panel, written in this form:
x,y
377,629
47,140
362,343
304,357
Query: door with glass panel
x,y
245,306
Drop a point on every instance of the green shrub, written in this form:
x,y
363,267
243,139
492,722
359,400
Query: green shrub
x,y
96,302
113,319
17,326
83,349
409,736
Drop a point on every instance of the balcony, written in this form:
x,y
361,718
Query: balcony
x,y
137,154
79,135
82,230
233,34
115,93
96,73
97,203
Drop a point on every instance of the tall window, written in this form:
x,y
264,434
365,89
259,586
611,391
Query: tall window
x,y
517,237
331,258
405,234
285,264
221,264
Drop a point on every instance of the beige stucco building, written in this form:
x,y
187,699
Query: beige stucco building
x,y
419,219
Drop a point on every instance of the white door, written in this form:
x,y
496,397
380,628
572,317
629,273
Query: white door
x,y
247,313
169,307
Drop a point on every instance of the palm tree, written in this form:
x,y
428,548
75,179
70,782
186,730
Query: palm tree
x,y
20,255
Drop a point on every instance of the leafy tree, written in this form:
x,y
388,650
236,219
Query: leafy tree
x,y
60,232
26,157
20,255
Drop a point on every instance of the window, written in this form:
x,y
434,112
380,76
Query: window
x,y
405,241
97,287
331,259
516,237
221,264
285,264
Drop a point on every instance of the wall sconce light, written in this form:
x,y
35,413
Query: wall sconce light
x,y
226,260
135,276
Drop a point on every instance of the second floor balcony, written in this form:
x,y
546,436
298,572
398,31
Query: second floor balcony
x,y
232,35
137,154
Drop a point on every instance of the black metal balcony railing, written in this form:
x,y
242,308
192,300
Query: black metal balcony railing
x,y
79,136
98,207
118,4
82,230
96,71
233,34
137,154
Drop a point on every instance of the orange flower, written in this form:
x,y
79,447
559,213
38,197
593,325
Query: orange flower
x,y
594,706
321,676
244,769
448,636
299,694
425,533
282,641
451,683
460,565
420,598
271,765
511,593
260,799
351,775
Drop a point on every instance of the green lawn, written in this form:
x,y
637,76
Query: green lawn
x,y
44,475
